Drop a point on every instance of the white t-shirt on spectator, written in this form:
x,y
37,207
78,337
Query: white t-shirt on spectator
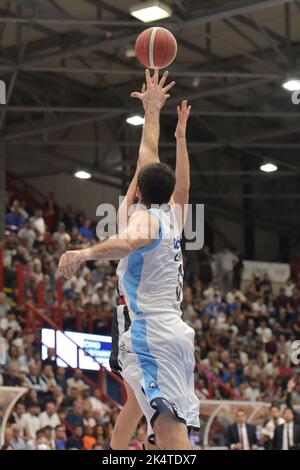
x,y
80,384
5,323
226,261
80,283
231,296
256,307
31,422
210,292
28,235
251,393
264,333
46,420
39,225
62,238
97,405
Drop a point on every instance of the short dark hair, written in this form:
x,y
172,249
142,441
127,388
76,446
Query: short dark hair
x,y
156,182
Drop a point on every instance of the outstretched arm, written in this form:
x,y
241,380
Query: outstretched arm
x,y
182,188
153,96
142,230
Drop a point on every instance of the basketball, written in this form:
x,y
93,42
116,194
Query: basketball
x,y
156,47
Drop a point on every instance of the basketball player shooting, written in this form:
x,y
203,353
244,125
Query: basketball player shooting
x,y
131,412
158,359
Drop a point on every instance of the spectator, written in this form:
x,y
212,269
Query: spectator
x,y
269,429
30,420
289,399
20,410
238,268
264,331
60,437
17,442
49,417
9,321
226,261
35,381
76,381
287,435
15,217
60,377
75,418
88,439
27,359
38,224
51,213
241,435
61,236
11,378
86,231
27,235
76,441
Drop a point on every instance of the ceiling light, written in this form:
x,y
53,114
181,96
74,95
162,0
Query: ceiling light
x,y
291,84
83,175
150,11
268,167
135,120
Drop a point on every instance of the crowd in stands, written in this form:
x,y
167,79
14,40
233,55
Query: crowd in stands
x,y
243,333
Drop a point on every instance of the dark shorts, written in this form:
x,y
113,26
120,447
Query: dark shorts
x,y
121,323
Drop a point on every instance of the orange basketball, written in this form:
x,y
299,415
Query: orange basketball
x,y
156,47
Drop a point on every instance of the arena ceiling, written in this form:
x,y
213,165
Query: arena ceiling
x,y
66,65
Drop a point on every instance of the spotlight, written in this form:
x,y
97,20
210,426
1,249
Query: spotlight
x,y
150,11
83,175
135,120
268,167
291,84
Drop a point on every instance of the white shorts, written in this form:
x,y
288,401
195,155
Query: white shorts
x,y
157,356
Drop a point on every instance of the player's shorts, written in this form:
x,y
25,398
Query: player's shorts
x,y
121,323
157,358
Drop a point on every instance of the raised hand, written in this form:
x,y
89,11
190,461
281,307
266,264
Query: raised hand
x,y
154,92
183,112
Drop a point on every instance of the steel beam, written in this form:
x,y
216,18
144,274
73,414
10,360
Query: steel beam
x,y
140,72
217,15
166,112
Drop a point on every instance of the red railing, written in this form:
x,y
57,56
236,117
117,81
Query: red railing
x,y
35,318
23,190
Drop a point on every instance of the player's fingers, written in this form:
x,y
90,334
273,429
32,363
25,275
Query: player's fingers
x,y
155,76
148,78
163,79
189,110
136,94
168,87
168,96
184,105
143,88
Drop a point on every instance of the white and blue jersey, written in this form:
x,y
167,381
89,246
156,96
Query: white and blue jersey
x,y
151,278
157,352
